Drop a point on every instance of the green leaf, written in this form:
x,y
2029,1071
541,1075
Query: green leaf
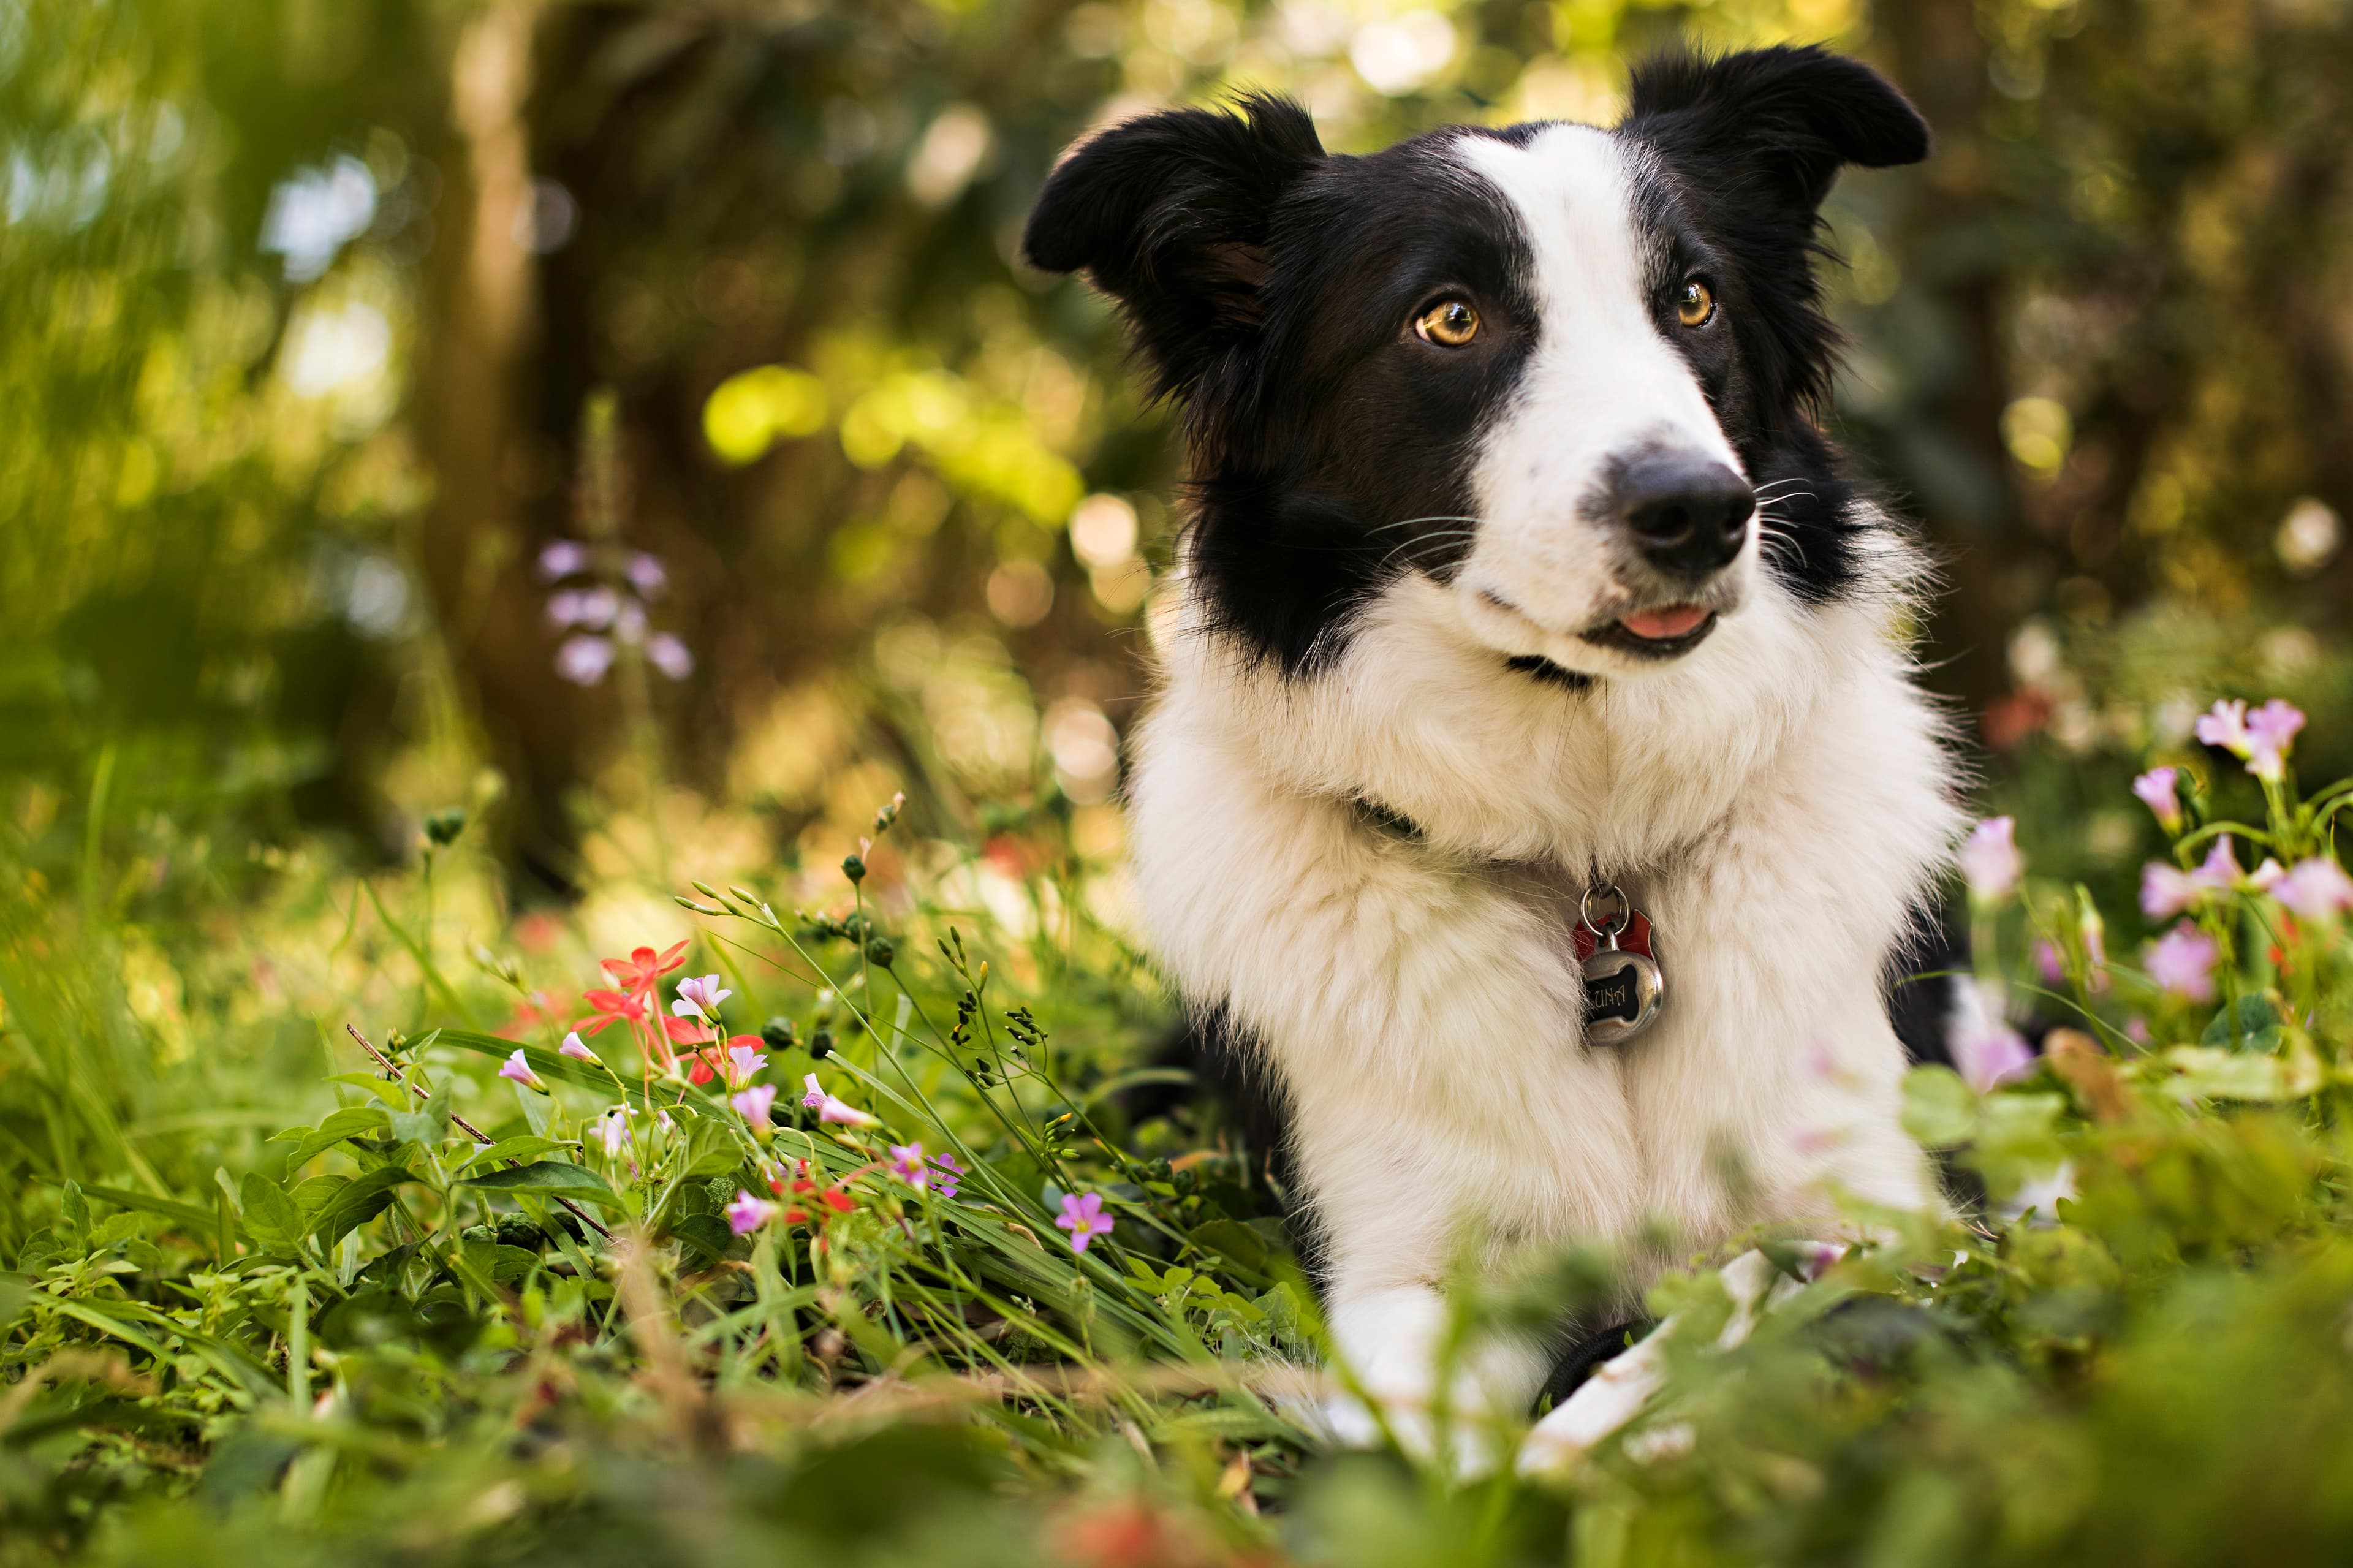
x,y
358,1201
549,1179
73,1209
427,1125
185,1214
521,1148
393,1095
2253,1026
1939,1109
2206,1073
1233,1241
353,1122
271,1217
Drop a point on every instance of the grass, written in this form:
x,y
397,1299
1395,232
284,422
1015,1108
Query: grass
x,y
296,1275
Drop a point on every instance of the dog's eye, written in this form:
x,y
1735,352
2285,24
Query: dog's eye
x,y
1694,304
1449,322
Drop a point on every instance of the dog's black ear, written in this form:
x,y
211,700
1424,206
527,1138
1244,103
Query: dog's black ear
x,y
1788,116
1169,213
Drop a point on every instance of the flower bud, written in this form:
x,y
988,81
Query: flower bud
x,y
443,826
880,952
853,867
821,1045
777,1034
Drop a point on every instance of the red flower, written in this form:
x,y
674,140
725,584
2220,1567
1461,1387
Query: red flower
x,y
832,1198
533,1012
635,1004
643,969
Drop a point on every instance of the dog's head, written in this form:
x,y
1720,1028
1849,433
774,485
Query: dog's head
x,y
1565,373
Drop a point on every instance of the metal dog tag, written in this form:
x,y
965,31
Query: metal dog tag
x,y
1624,988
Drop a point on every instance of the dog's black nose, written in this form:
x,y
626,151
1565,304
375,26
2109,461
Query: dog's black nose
x,y
1688,514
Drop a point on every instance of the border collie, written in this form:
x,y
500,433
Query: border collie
x,y
1519,571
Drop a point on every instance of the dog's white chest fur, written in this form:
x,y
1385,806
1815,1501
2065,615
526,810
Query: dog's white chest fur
x,y
1777,803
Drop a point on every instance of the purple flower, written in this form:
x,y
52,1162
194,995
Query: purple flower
x,y
562,558
2049,963
2224,725
829,1109
946,1174
2314,889
2181,961
669,655
646,575
1083,1218
516,1069
1989,1052
575,1048
1990,860
753,1104
611,1130
567,607
748,1214
2166,892
2271,736
907,1164
2159,790
744,1064
699,996
582,660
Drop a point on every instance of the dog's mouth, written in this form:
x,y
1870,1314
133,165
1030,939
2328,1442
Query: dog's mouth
x,y
1660,633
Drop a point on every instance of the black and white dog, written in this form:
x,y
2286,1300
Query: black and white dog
x,y
1520,570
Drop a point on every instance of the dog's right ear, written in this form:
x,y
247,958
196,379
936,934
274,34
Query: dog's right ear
x,y
1169,213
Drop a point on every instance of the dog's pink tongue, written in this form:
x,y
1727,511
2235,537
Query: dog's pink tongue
x,y
1671,622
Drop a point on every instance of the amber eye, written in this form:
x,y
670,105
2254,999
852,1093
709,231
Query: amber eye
x,y
1694,304
1449,322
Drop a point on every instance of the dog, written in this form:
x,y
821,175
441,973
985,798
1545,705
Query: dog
x,y
1519,574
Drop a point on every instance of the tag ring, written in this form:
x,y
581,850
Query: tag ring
x,y
1625,911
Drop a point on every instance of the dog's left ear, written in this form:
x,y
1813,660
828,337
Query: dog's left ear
x,y
1789,117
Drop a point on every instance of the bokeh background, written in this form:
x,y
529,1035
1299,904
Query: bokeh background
x,y
630,422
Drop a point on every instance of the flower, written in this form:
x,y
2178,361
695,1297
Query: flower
x,y
2314,889
2182,961
611,1130
907,1164
753,1104
946,1174
2049,963
1986,1049
2159,790
562,558
575,1048
1083,1218
699,997
584,660
646,575
518,1070
2167,892
2271,736
829,1109
748,1214
1990,860
666,653
2265,876
641,972
2224,725
804,1187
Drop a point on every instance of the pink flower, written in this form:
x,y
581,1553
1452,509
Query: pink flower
x,y
2181,961
753,1103
829,1109
582,660
744,1064
666,654
2224,725
2159,790
699,996
1990,860
946,1174
2314,889
907,1164
646,575
519,1071
2265,876
2167,892
748,1214
575,1048
2271,736
1986,1049
1083,1218
611,1130
2049,964
562,558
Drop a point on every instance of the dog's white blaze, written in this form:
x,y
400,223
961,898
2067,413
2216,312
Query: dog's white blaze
x,y
1777,799
1602,382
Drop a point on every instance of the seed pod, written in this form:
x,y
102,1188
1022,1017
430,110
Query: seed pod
x,y
853,867
443,826
821,1045
880,952
777,1035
